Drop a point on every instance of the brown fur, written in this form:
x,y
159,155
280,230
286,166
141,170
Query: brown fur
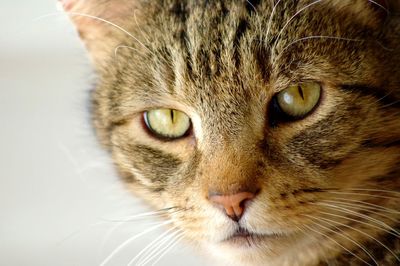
x,y
221,62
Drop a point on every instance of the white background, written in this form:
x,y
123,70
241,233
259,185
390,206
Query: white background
x,y
59,196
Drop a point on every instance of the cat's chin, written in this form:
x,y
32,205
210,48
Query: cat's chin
x,y
243,239
243,247
246,250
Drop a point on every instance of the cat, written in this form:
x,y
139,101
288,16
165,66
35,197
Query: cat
x,y
266,132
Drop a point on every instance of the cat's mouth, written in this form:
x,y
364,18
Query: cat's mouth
x,y
243,238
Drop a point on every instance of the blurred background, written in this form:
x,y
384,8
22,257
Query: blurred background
x,y
61,202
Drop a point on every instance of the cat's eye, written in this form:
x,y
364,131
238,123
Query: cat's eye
x,y
167,123
294,103
299,100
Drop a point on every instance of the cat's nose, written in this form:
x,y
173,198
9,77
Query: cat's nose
x,y
234,205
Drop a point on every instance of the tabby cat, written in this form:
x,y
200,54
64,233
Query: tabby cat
x,y
267,132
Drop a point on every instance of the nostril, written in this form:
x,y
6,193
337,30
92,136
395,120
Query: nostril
x,y
234,205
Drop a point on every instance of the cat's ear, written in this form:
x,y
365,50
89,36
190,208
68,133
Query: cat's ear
x,y
101,24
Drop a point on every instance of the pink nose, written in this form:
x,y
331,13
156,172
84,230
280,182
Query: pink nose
x,y
233,204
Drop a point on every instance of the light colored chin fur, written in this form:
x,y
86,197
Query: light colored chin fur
x,y
253,257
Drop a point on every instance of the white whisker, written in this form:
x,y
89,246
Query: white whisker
x,y
168,249
140,28
361,232
362,194
318,37
368,218
383,97
270,19
289,21
99,19
330,238
156,241
391,104
379,5
141,215
159,247
343,235
375,190
361,222
109,233
252,6
389,210
359,207
128,241
123,46
119,222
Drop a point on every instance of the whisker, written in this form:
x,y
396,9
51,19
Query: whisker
x,y
317,37
143,215
362,194
120,223
123,46
270,19
177,239
371,219
343,235
391,104
252,6
360,231
131,239
330,238
104,21
383,97
375,190
94,18
361,222
150,245
255,10
178,78
389,210
105,221
113,229
158,249
289,21
353,206
140,28
384,47
316,239
379,5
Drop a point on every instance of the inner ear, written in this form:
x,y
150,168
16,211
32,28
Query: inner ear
x,y
101,24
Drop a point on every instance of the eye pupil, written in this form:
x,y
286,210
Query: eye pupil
x,y
300,90
172,116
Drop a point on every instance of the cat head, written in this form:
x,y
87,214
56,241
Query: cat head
x,y
250,121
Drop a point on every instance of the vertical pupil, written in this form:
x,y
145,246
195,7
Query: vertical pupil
x,y
300,92
172,116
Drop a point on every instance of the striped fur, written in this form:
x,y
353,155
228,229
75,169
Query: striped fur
x,y
327,181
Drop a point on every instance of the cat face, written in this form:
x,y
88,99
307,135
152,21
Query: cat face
x,y
252,123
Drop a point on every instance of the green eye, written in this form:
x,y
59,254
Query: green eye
x,y
299,100
167,123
